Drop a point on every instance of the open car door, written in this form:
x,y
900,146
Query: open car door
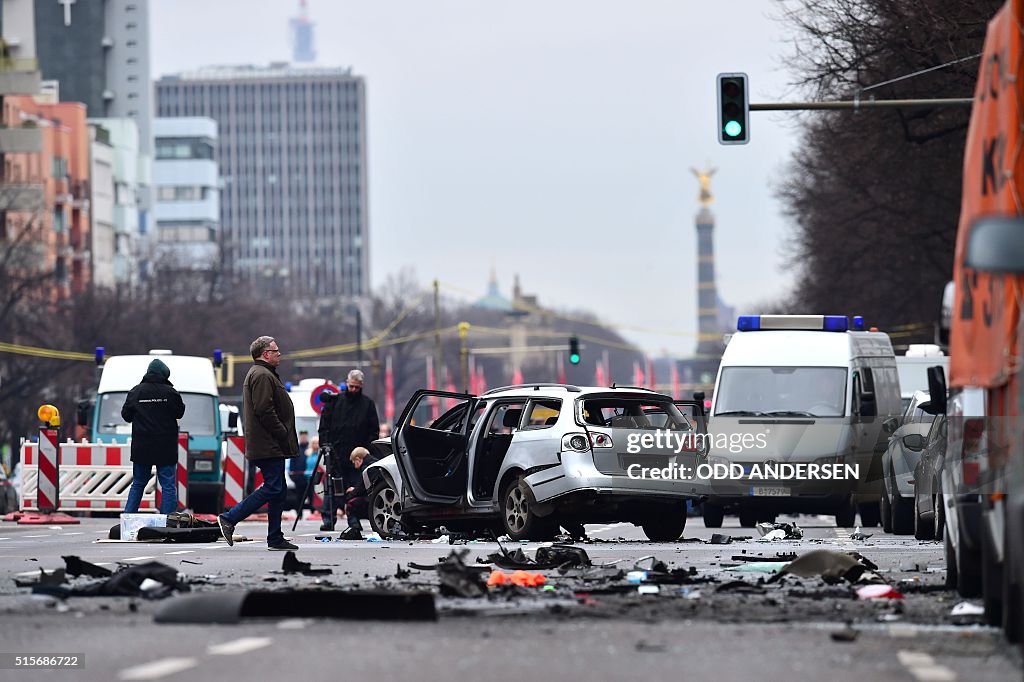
x,y
694,411
433,458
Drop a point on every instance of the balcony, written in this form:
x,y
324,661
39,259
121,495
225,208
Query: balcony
x,y
21,196
19,76
21,140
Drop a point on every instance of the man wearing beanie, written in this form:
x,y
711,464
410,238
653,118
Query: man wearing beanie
x,y
153,408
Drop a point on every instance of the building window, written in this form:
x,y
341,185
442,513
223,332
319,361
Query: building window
x,y
59,167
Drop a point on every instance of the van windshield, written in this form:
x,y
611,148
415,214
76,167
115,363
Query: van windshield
x,y
199,419
782,392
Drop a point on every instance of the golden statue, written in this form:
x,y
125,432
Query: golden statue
x,y
704,177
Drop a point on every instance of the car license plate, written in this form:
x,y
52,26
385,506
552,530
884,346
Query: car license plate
x,y
203,466
758,491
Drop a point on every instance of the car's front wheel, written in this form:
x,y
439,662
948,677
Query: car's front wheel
x,y
886,511
385,509
666,525
924,529
520,522
713,515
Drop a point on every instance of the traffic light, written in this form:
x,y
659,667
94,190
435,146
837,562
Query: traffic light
x,y
574,350
733,109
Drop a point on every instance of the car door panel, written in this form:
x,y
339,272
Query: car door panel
x,y
432,461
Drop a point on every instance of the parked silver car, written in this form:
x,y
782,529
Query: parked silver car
x,y
524,460
899,463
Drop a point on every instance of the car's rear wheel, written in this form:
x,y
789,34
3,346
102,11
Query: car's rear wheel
x,y
846,516
869,514
902,516
748,519
520,522
968,571
713,515
385,509
924,529
665,525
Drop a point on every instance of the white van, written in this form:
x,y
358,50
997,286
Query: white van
x,y
807,391
306,418
913,368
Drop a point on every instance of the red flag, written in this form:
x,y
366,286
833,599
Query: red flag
x,y
651,382
472,376
599,378
561,369
481,380
435,406
389,393
449,403
675,380
638,374
517,377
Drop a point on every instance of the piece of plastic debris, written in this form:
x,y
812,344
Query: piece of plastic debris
x,y
966,608
373,537
790,531
648,589
759,567
857,535
439,540
291,564
548,588
831,566
847,635
459,579
520,578
878,592
719,539
636,577
777,534
149,584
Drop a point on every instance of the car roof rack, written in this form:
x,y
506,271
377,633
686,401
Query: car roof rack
x,y
536,387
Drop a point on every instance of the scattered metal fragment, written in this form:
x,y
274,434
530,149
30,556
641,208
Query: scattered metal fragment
x,y
291,564
232,607
76,567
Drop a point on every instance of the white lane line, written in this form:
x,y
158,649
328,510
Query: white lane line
x,y
182,551
309,535
139,558
156,669
239,646
923,667
37,536
4,538
294,624
35,572
74,533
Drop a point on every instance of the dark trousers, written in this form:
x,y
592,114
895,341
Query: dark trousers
x,y
272,493
356,508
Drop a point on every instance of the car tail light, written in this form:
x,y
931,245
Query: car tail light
x,y
575,442
973,448
600,440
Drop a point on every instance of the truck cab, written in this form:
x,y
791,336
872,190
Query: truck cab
x,y
195,380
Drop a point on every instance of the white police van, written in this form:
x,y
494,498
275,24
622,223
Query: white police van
x,y
796,419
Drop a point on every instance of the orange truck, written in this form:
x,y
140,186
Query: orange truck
x,y
985,486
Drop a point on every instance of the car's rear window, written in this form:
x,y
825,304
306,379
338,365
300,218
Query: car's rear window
x,y
632,413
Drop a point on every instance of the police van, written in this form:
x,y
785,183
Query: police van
x,y
804,395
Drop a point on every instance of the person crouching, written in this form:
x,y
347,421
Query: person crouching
x,y
357,507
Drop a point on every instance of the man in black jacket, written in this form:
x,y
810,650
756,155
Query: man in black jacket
x,y
153,408
348,421
270,439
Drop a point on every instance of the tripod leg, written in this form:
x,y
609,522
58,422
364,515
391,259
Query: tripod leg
x,y
328,513
308,495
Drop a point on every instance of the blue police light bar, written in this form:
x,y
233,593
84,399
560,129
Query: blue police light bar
x,y
288,386
748,323
828,323
218,357
99,355
858,323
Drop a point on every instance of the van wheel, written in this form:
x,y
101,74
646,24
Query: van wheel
x,y
713,515
846,516
748,519
517,514
924,529
869,514
666,525
886,511
385,509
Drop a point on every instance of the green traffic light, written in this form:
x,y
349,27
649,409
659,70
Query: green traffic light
x,y
574,359
733,128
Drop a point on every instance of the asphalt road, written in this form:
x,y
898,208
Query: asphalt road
x,y
603,629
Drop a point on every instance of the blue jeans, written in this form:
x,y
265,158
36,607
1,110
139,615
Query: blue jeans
x,y
165,478
272,493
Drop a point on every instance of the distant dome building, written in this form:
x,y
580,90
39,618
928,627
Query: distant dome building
x,y
494,300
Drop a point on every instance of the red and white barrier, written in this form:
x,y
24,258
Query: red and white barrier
x,y
180,474
234,471
48,483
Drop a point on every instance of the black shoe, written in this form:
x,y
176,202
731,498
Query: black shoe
x,y
326,526
227,530
282,546
351,534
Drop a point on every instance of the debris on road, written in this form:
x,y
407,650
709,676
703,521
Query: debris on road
x,y
847,635
549,556
232,607
966,613
520,578
719,539
291,564
833,567
76,567
127,581
878,592
857,535
770,531
459,579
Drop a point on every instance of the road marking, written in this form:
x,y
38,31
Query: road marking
x,y
139,558
155,669
76,533
923,667
4,538
182,551
294,624
35,572
37,536
239,646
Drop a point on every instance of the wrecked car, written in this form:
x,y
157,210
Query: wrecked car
x,y
524,460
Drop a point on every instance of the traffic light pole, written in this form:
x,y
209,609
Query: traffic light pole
x,y
856,104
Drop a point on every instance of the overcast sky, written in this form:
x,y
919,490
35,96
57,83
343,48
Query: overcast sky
x,y
548,138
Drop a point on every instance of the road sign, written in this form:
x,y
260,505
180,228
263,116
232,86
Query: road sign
x,y
316,396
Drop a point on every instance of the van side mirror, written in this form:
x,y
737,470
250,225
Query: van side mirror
x,y
83,412
936,390
890,425
868,406
914,442
233,421
995,244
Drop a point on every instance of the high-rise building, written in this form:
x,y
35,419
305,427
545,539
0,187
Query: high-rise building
x,y
292,157
101,207
187,207
302,35
131,181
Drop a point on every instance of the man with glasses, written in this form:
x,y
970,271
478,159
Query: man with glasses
x,y
348,421
270,439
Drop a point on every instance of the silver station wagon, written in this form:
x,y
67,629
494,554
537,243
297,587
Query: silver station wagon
x,y
524,460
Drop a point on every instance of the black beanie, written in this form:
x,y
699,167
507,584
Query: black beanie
x,y
157,366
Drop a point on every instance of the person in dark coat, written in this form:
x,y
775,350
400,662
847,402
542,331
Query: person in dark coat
x,y
357,506
270,439
153,408
348,421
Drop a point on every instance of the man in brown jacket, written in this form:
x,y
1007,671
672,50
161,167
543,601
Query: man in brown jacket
x,y
269,419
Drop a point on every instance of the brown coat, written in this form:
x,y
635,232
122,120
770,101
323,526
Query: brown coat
x,y
268,415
